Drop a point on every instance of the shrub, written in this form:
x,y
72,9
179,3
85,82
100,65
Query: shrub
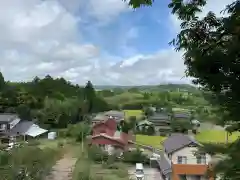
x,y
31,162
97,154
134,157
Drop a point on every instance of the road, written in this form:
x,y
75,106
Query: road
x,y
149,173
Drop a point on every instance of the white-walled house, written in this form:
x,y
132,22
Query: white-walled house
x,y
180,160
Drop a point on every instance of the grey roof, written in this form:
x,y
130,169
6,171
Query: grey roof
x,y
181,115
159,117
164,164
7,117
119,114
177,141
22,127
100,117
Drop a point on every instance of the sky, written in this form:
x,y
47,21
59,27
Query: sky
x,y
103,41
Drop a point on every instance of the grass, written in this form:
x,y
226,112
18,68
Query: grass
x,y
216,136
85,168
210,136
154,141
53,144
137,113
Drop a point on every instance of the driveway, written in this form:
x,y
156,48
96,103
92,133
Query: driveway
x,y
149,173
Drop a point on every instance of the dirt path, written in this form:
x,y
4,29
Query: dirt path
x,y
63,169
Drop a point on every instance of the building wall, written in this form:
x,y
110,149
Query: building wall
x,y
105,141
189,152
181,169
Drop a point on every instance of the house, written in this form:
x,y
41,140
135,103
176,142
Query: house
x,y
179,160
99,117
181,116
106,135
161,122
144,123
117,115
11,127
8,121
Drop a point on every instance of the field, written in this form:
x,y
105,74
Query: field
x,y
210,136
137,113
154,141
216,136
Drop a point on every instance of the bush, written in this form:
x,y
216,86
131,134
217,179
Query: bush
x,y
31,162
134,157
97,154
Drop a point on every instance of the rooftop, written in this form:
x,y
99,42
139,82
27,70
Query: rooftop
x,y
177,141
7,117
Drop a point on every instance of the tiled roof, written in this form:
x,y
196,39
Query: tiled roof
x,y
115,113
159,117
177,141
7,117
164,164
121,138
181,115
22,127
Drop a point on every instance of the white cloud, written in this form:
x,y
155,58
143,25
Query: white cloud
x,y
44,37
107,9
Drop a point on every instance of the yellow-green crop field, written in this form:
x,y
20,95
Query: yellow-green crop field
x,y
211,136
216,136
154,141
137,113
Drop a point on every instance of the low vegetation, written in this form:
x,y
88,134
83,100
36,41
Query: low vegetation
x,y
96,164
27,162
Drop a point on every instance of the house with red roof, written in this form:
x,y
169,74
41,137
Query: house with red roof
x,y
106,135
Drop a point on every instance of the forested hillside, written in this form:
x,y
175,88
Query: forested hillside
x,y
55,103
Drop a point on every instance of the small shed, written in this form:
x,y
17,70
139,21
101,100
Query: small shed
x,y
52,135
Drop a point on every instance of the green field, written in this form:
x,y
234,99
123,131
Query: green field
x,y
154,141
216,136
137,113
212,136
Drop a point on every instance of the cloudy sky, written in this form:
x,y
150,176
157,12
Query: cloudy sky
x,y
99,40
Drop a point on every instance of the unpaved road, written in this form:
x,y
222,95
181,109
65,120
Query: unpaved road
x,y
63,169
149,173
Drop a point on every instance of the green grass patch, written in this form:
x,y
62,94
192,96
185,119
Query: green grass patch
x,y
137,113
216,136
154,141
86,169
210,136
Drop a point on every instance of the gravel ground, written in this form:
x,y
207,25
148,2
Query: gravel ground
x,y
149,173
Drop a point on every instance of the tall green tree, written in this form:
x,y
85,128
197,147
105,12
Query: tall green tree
x,y
89,96
2,82
212,56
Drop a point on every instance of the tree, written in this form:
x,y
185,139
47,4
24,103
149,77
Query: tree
x,y
139,3
212,57
148,111
2,82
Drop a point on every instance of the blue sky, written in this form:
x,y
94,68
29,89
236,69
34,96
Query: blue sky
x,y
104,41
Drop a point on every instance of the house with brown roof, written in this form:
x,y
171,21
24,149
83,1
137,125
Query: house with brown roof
x,y
106,135
179,160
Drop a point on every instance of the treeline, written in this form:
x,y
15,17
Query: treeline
x,y
54,103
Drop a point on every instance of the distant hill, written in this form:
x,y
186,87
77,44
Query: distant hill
x,y
162,87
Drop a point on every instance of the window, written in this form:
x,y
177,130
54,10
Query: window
x,y
201,159
197,178
182,159
182,177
